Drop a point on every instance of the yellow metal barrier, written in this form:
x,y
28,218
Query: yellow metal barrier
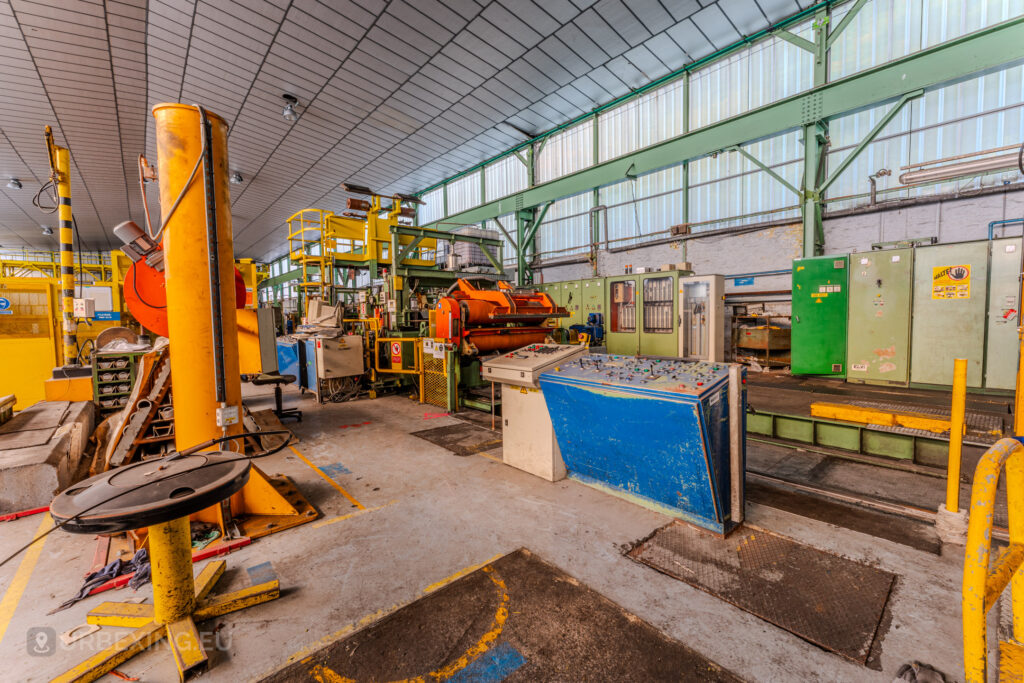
x,y
956,434
982,587
401,341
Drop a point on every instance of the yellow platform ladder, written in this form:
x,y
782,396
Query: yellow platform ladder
x,y
982,586
312,246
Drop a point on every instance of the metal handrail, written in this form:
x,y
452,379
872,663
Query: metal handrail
x,y
982,587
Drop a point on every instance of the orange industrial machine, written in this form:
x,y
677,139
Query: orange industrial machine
x,y
489,320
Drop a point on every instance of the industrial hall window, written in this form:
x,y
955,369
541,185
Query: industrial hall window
x,y
623,306
658,305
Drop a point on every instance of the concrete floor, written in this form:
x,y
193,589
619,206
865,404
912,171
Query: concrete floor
x,y
430,515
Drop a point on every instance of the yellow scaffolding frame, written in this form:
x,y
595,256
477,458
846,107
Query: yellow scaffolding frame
x,y
982,587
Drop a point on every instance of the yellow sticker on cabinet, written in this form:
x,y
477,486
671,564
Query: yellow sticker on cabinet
x,y
951,282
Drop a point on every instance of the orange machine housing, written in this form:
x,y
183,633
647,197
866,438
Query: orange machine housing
x,y
494,319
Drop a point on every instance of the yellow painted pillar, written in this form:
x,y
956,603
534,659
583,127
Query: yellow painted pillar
x,y
170,556
203,333
1018,399
60,160
956,434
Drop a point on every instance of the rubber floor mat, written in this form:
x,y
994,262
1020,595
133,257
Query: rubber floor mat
x,y
462,438
829,600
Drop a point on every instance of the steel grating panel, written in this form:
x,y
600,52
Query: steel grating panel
x,y
434,379
831,601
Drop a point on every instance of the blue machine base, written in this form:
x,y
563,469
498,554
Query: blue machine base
x,y
651,504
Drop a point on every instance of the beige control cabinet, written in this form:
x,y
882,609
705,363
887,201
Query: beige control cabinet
x,y
528,438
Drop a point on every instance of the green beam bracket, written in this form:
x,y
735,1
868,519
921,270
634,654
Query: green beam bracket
x,y
958,59
505,232
521,158
845,23
801,43
882,123
766,169
532,231
407,249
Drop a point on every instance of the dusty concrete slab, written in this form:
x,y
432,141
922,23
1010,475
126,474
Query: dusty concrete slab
x,y
515,619
427,514
40,450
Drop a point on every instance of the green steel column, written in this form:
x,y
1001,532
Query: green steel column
x,y
522,218
686,163
815,135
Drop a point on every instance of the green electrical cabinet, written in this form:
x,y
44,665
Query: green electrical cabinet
x,y
1003,314
621,330
591,298
820,298
659,324
950,298
881,286
570,293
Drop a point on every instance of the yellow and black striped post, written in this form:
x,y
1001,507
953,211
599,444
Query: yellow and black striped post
x,y
60,166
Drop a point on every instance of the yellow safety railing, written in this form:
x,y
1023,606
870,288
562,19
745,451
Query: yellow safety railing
x,y
982,586
401,341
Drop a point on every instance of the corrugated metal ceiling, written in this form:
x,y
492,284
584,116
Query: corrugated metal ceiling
x,y
395,95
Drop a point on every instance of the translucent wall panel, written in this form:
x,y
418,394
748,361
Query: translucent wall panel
x,y
566,226
967,118
641,122
728,190
566,152
763,73
508,221
463,193
433,209
885,30
641,208
504,177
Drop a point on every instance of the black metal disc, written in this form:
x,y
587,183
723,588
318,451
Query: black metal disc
x,y
150,492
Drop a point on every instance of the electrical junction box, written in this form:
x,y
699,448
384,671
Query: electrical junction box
x,y
702,318
820,304
653,431
881,287
84,308
950,298
528,439
339,357
1001,344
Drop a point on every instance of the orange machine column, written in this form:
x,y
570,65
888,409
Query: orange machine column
x,y
197,241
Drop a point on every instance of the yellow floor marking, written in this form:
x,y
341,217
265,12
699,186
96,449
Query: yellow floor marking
x,y
491,457
14,591
332,520
459,574
324,674
329,480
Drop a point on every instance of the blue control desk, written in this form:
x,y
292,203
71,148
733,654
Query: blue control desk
x,y
655,431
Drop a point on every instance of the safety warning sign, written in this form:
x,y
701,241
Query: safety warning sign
x,y
951,282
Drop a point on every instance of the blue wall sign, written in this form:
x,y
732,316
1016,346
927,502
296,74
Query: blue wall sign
x,y
742,281
107,315
5,306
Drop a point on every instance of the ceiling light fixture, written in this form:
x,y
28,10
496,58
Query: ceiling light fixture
x,y
1002,162
13,184
47,230
236,178
288,112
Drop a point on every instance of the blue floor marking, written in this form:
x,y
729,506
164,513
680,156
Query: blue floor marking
x,y
492,666
335,469
261,573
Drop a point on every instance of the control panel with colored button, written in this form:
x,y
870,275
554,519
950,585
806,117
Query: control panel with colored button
x,y
676,376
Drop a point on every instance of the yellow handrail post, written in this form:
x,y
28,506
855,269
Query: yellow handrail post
x,y
956,434
982,588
